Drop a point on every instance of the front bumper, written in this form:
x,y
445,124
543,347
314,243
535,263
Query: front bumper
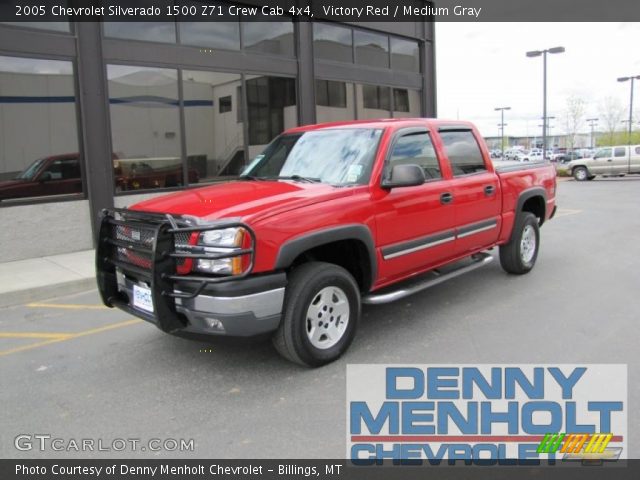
x,y
144,250
241,308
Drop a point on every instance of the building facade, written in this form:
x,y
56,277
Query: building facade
x,y
94,115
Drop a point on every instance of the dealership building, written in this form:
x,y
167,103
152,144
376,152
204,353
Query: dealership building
x,y
94,115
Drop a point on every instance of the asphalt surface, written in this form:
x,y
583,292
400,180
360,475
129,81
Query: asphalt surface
x,y
76,370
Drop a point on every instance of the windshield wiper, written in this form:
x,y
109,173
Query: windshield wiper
x,y
298,178
252,178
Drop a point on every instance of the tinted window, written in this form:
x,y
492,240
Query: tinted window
x,y
638,150
145,127
66,169
214,133
271,104
225,104
164,32
332,42
416,149
463,152
376,97
268,37
405,55
331,94
400,100
38,127
620,152
372,49
223,35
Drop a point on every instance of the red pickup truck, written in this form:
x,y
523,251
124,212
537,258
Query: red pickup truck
x,y
328,217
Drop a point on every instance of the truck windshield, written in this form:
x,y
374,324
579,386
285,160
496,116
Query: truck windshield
x,y
339,157
31,170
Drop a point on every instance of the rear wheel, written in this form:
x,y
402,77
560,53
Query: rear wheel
x,y
580,174
520,254
321,313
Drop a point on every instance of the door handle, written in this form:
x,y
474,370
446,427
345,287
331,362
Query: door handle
x,y
489,190
609,159
446,198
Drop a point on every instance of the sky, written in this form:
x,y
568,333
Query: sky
x,y
481,66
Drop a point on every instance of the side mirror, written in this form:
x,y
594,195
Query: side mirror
x,y
405,176
45,177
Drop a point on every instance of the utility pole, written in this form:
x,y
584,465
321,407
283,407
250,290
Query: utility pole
x,y
592,122
502,125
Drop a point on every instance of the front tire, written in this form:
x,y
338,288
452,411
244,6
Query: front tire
x,y
520,254
321,313
581,174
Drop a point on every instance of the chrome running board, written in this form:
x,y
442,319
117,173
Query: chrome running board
x,y
414,285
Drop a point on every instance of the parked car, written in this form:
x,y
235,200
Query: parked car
x,y
329,217
531,156
148,173
53,175
569,156
607,161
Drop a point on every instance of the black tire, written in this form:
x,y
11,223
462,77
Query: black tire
x,y
581,174
512,259
304,285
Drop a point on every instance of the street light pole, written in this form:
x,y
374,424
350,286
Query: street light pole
x,y
502,125
592,123
624,79
537,53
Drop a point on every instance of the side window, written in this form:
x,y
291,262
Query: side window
x,y
416,149
603,152
463,152
619,152
637,150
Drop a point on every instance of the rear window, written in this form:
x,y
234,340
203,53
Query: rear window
x,y
463,152
619,152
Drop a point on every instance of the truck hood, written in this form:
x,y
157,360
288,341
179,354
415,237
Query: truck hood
x,y
248,200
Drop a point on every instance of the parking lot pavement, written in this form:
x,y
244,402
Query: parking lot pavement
x,y
74,369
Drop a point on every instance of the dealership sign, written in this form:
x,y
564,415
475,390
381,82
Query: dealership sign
x,y
486,414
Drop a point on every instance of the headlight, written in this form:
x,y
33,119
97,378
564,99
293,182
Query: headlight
x,y
227,240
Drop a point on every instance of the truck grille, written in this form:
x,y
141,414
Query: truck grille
x,y
142,238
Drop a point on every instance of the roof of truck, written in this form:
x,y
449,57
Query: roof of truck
x,y
384,123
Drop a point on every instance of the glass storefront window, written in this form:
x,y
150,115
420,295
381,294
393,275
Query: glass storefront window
x,y
145,128
53,26
372,49
163,32
38,97
272,108
331,42
274,38
374,101
405,55
334,101
223,35
406,103
214,132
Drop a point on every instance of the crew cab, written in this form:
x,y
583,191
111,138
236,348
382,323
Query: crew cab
x,y
617,160
328,217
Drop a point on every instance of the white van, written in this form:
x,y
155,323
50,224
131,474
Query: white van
x,y
609,161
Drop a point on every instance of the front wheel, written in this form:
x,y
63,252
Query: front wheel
x,y
520,254
580,174
321,313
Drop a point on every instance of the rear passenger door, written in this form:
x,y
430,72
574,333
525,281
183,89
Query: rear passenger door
x,y
476,191
620,163
415,225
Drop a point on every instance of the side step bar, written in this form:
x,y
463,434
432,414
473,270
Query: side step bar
x,y
412,286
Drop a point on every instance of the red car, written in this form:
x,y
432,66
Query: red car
x,y
54,175
327,218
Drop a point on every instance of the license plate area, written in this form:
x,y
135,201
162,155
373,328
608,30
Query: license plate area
x,y
142,298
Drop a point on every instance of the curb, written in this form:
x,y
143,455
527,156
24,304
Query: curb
x,y
18,297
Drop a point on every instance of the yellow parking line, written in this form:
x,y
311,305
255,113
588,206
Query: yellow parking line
x,y
70,336
66,306
34,335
